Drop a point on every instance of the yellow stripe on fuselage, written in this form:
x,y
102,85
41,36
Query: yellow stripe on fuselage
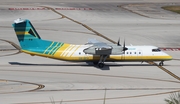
x,y
75,50
97,58
68,51
64,49
134,58
59,52
116,58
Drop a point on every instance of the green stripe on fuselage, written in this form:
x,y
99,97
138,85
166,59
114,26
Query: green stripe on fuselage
x,y
57,43
50,48
60,45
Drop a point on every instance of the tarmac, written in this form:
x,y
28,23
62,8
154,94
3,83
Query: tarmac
x,y
26,79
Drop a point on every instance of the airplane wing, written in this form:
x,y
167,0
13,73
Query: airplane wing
x,y
99,44
98,48
92,41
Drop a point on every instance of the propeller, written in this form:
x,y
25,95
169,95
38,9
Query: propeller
x,y
118,43
124,46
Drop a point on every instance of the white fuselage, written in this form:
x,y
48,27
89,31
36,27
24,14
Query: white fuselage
x,y
134,53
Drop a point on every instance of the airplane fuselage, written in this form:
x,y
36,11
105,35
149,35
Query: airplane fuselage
x,y
70,52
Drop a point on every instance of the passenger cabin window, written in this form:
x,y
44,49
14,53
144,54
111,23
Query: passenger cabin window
x,y
127,53
156,50
139,52
134,52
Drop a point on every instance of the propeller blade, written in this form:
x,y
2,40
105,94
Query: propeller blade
x,y
124,46
118,43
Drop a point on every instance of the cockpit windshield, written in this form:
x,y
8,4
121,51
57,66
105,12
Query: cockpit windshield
x,y
156,50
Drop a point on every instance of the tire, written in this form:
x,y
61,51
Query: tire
x,y
161,64
101,65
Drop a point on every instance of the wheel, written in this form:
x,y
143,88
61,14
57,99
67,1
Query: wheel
x,y
101,65
161,64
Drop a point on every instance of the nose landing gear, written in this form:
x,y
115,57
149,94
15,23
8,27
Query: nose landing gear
x,y
161,63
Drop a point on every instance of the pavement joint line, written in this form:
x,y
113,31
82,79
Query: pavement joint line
x,y
7,49
12,43
99,75
33,8
40,86
122,6
84,25
110,89
10,54
166,70
107,98
2,80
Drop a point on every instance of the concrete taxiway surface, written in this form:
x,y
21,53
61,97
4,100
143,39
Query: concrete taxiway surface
x,y
35,80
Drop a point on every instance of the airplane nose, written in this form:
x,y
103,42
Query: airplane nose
x,y
170,57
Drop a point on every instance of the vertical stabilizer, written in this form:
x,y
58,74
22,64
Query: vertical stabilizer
x,y
26,34
30,40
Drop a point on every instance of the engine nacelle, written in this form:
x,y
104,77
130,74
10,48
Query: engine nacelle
x,y
114,50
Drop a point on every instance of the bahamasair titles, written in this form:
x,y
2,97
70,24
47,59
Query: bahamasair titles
x,y
93,51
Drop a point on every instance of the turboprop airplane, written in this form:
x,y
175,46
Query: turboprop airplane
x,y
93,51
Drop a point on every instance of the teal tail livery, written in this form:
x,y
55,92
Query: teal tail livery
x,y
93,51
30,41
26,34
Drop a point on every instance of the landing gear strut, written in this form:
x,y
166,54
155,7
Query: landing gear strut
x,y
102,60
161,63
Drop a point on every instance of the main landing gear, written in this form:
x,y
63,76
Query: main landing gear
x,y
101,61
161,63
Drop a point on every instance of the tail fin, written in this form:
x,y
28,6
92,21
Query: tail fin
x,y
26,34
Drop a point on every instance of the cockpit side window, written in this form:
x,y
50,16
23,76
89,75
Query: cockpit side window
x,y
156,50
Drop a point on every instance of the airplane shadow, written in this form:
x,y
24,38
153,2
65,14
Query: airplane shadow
x,y
106,67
